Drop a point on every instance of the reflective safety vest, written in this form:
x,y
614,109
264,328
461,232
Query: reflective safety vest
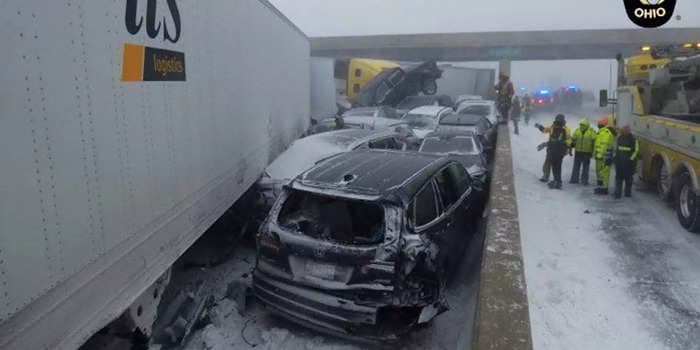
x,y
627,148
584,141
603,143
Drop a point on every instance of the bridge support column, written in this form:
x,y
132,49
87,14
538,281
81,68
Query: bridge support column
x,y
504,67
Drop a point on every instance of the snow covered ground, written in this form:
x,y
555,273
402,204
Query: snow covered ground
x,y
256,328
601,273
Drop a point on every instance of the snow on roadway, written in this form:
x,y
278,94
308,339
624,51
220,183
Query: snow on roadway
x,y
603,274
258,329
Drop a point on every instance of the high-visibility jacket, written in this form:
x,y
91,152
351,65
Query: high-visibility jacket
x,y
603,143
548,130
584,138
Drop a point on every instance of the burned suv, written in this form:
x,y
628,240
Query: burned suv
x,y
361,245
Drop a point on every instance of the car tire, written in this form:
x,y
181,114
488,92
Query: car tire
x,y
687,203
663,181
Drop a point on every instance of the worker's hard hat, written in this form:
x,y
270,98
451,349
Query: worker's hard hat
x,y
603,121
584,122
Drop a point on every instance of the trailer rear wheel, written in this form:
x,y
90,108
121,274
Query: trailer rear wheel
x,y
663,181
687,204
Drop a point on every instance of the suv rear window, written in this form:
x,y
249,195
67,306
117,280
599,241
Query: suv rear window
x,y
332,218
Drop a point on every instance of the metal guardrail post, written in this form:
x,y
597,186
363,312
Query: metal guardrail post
x,y
502,314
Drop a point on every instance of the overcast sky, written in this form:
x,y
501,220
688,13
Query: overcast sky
x,y
366,17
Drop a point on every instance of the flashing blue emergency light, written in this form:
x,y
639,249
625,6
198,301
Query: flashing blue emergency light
x,y
544,92
572,87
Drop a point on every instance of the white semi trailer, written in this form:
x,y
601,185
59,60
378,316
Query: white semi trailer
x,y
323,90
456,81
126,129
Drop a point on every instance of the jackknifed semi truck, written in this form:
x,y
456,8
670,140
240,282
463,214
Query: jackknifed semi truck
x,y
126,129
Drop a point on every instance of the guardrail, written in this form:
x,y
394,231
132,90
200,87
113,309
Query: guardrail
x,y
502,314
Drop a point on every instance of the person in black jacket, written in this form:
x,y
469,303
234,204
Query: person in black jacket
x,y
504,96
515,114
626,152
557,147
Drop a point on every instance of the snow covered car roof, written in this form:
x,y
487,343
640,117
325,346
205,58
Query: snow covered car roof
x,y
411,102
478,102
462,98
429,110
362,111
305,152
449,136
372,122
374,174
461,119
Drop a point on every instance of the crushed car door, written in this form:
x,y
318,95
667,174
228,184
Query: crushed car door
x,y
489,131
454,213
424,216
469,203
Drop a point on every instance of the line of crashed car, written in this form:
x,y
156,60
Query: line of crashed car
x,y
367,223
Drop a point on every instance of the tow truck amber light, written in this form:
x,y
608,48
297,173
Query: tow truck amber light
x,y
687,45
646,48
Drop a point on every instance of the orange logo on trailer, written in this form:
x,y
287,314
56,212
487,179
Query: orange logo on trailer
x,y
143,63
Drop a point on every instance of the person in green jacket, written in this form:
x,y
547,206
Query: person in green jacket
x,y
583,142
603,153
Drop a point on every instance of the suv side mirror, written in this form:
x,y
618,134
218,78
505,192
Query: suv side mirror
x,y
603,98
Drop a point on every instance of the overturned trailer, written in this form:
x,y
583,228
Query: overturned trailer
x,y
361,245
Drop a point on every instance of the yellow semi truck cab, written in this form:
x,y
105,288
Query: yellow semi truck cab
x,y
360,71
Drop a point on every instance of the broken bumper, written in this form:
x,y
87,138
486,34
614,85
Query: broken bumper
x,y
327,313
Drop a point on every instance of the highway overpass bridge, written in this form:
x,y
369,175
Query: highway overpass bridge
x,y
502,46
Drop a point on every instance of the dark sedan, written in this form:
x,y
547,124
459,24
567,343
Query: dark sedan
x,y
483,129
462,147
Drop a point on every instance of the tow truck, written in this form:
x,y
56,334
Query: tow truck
x,y
659,98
